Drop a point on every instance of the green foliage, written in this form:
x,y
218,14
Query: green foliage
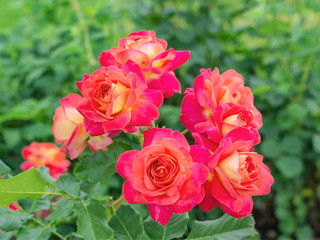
x,y
226,227
27,184
4,169
176,227
127,223
37,233
68,184
102,165
93,220
274,44
11,220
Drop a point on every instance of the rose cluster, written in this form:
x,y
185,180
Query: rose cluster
x,y
170,176
167,174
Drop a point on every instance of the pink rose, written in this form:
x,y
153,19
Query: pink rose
x,y
117,99
236,174
150,53
68,129
212,90
13,207
45,154
226,119
163,174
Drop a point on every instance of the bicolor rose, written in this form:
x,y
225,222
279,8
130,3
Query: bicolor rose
x,y
150,53
117,99
212,90
226,118
236,174
68,129
163,174
45,154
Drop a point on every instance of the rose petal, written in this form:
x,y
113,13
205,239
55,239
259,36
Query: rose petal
x,y
125,165
77,142
62,127
143,113
131,195
161,214
244,211
69,105
166,82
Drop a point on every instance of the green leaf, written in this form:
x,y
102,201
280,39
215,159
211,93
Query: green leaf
x,y
35,205
91,189
38,233
292,144
226,227
316,142
63,209
175,228
44,172
11,220
101,165
27,184
11,137
4,169
69,185
93,220
127,223
270,148
289,166
6,235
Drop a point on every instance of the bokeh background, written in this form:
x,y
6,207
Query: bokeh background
x,y
47,45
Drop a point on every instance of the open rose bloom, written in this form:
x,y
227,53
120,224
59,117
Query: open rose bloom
x,y
236,174
117,99
219,104
163,174
45,154
68,129
151,54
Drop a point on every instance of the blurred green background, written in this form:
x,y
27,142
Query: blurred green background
x,y
47,45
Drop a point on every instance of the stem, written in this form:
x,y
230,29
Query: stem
x,y
40,223
185,131
117,203
45,226
85,31
60,194
304,78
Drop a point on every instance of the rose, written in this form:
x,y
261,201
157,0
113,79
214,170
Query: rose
x,y
117,99
150,53
236,174
211,90
163,174
68,129
13,206
227,118
45,154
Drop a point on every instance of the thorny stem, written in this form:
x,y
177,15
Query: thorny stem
x,y
84,28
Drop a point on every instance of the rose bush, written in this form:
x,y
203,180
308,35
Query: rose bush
x,y
167,175
68,129
151,55
163,174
